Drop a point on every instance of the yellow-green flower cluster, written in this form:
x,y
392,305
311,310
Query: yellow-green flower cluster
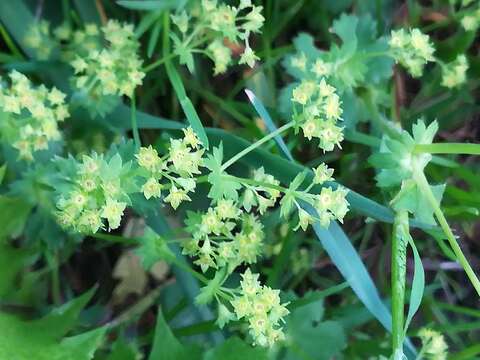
x,y
317,110
30,115
97,190
113,70
78,42
178,167
260,306
454,73
471,20
412,49
263,196
434,346
217,23
39,38
223,236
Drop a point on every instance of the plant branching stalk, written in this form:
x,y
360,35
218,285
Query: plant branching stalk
x,y
448,148
136,136
425,188
255,145
399,265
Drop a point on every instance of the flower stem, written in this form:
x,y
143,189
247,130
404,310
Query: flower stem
x,y
424,187
159,62
448,148
399,250
136,136
255,145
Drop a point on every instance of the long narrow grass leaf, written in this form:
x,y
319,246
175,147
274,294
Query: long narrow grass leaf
x,y
418,285
260,108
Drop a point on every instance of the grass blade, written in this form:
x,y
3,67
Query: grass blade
x,y
418,285
257,104
151,4
174,77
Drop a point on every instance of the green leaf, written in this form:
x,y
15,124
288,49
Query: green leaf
x,y
151,4
14,215
87,11
153,40
175,80
222,185
3,170
167,347
121,350
262,111
418,285
42,339
153,248
235,349
12,260
413,200
311,338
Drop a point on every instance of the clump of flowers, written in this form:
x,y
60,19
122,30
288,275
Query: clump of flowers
x,y
412,49
178,167
115,69
39,38
471,21
78,42
30,115
69,42
331,204
223,236
317,110
454,73
97,189
260,306
263,194
217,25
433,345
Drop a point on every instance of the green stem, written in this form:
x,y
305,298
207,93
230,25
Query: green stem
x,y
399,253
425,188
52,259
136,136
448,148
159,62
255,145
138,308
9,42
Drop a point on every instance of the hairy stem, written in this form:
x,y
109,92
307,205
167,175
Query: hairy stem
x,y
399,265
136,135
425,188
255,145
448,148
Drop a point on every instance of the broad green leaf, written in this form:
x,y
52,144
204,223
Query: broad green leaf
x,y
235,349
121,350
310,338
12,261
167,347
153,248
14,215
221,185
42,339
